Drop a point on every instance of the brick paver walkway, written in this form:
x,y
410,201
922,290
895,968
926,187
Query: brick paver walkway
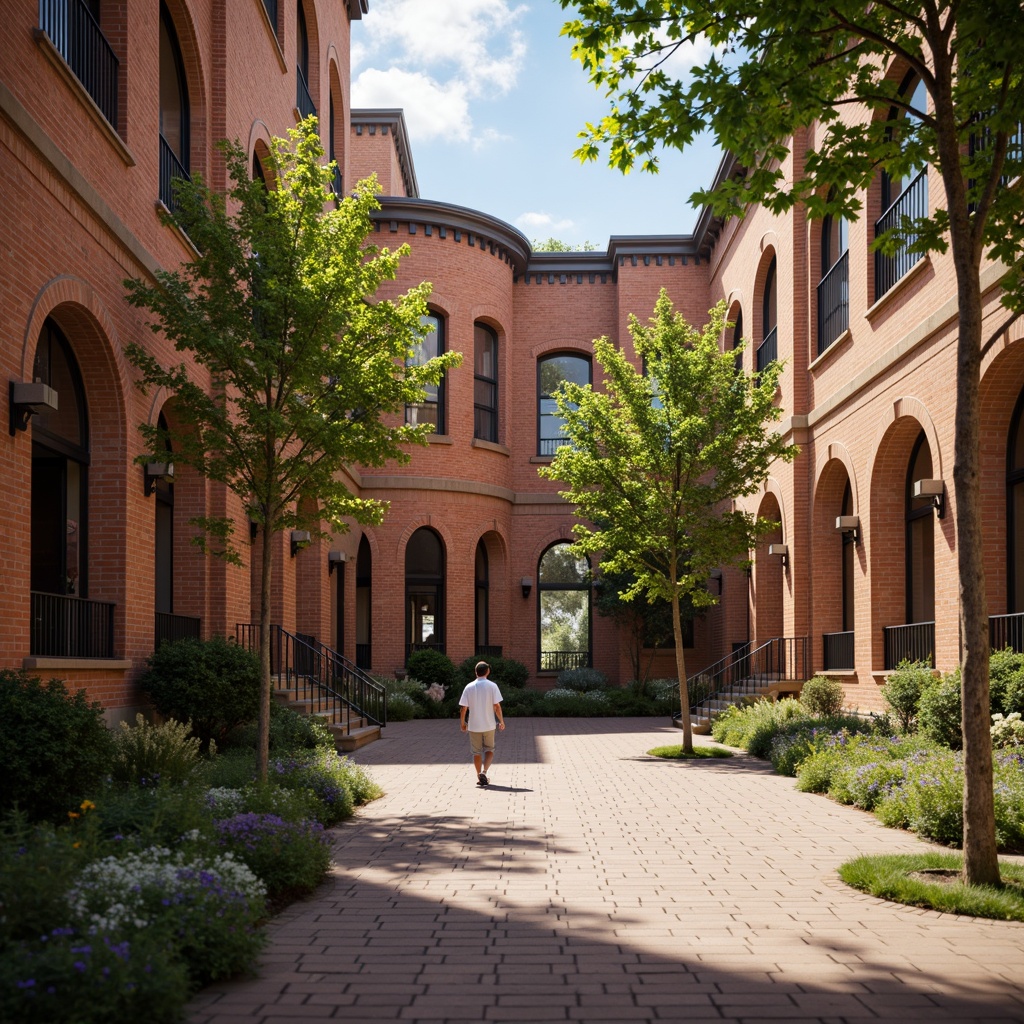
x,y
593,883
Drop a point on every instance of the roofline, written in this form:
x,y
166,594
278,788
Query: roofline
x,y
392,118
357,8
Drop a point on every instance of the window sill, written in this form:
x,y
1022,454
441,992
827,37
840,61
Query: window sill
x,y
439,439
186,241
838,673
56,58
541,459
491,446
104,664
874,311
824,357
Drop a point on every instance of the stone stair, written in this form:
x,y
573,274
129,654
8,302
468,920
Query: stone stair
x,y
725,699
350,731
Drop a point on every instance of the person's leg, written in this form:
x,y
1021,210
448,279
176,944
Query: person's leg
x,y
487,746
476,745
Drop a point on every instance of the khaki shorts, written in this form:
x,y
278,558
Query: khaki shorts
x,y
481,741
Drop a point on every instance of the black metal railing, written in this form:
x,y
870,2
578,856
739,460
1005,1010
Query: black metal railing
x,y
768,350
837,650
913,642
1006,631
336,185
744,674
834,302
559,661
76,35
303,101
912,204
326,681
70,627
175,627
364,659
550,445
170,168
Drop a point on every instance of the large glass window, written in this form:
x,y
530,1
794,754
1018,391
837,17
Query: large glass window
x,y
849,550
482,617
768,350
564,594
552,372
485,383
920,526
174,111
1015,509
164,539
834,287
431,409
364,566
424,592
303,98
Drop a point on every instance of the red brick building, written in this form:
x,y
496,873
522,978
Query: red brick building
x,y
102,102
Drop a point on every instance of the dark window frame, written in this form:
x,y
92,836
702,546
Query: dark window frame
x,y
543,588
484,413
543,396
440,333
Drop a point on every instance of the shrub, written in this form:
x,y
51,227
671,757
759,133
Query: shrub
x,y
401,707
1008,731
822,697
150,755
582,679
504,671
54,746
519,703
431,667
902,691
561,701
214,684
336,782
1006,679
938,714
289,730
151,816
799,739
754,726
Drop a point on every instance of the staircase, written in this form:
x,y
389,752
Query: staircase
x,y
312,679
777,666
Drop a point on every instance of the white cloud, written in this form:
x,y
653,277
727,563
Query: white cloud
x,y
535,223
432,109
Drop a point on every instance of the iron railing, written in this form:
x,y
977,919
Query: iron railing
x,y
170,168
744,674
70,627
913,642
336,183
1006,631
320,677
912,204
80,41
768,350
834,302
550,445
303,101
559,661
175,627
837,650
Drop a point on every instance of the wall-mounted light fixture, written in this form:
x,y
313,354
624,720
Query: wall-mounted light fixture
x,y
153,472
300,539
849,525
527,585
934,490
28,400
334,559
781,550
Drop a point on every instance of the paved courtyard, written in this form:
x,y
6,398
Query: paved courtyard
x,y
591,882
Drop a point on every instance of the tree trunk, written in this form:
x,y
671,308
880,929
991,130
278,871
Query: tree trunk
x,y
684,693
263,737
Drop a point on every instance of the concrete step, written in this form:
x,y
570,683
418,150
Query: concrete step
x,y
347,742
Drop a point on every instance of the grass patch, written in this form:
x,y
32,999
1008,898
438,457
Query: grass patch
x,y
905,879
676,752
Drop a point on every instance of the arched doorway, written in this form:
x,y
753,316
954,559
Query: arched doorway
x,y
364,576
424,592
563,594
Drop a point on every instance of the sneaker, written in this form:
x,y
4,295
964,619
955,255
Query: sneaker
x,y
482,779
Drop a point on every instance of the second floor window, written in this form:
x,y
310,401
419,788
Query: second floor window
x,y
431,409
552,373
174,111
485,384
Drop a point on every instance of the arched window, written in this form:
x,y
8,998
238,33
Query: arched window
x,y
424,592
164,537
60,461
564,596
552,372
904,195
174,111
834,287
364,566
303,100
485,383
920,526
1015,510
768,350
332,148
431,409
737,337
849,548
483,610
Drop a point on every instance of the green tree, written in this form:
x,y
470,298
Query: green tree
x,y
303,367
773,70
553,244
657,459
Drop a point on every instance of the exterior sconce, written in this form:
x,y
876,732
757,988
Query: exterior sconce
x,y
527,585
780,549
300,539
935,490
334,559
154,471
28,400
849,524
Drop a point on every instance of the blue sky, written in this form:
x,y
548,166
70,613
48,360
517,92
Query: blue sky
x,y
493,103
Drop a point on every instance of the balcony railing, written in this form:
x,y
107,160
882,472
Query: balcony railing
x,y
768,350
170,168
911,204
76,35
550,445
834,302
336,183
175,627
70,627
913,642
557,661
1006,631
837,651
303,101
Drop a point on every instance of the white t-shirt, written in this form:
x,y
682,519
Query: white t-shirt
x,y
480,696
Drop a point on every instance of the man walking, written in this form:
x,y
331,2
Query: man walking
x,y
479,713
